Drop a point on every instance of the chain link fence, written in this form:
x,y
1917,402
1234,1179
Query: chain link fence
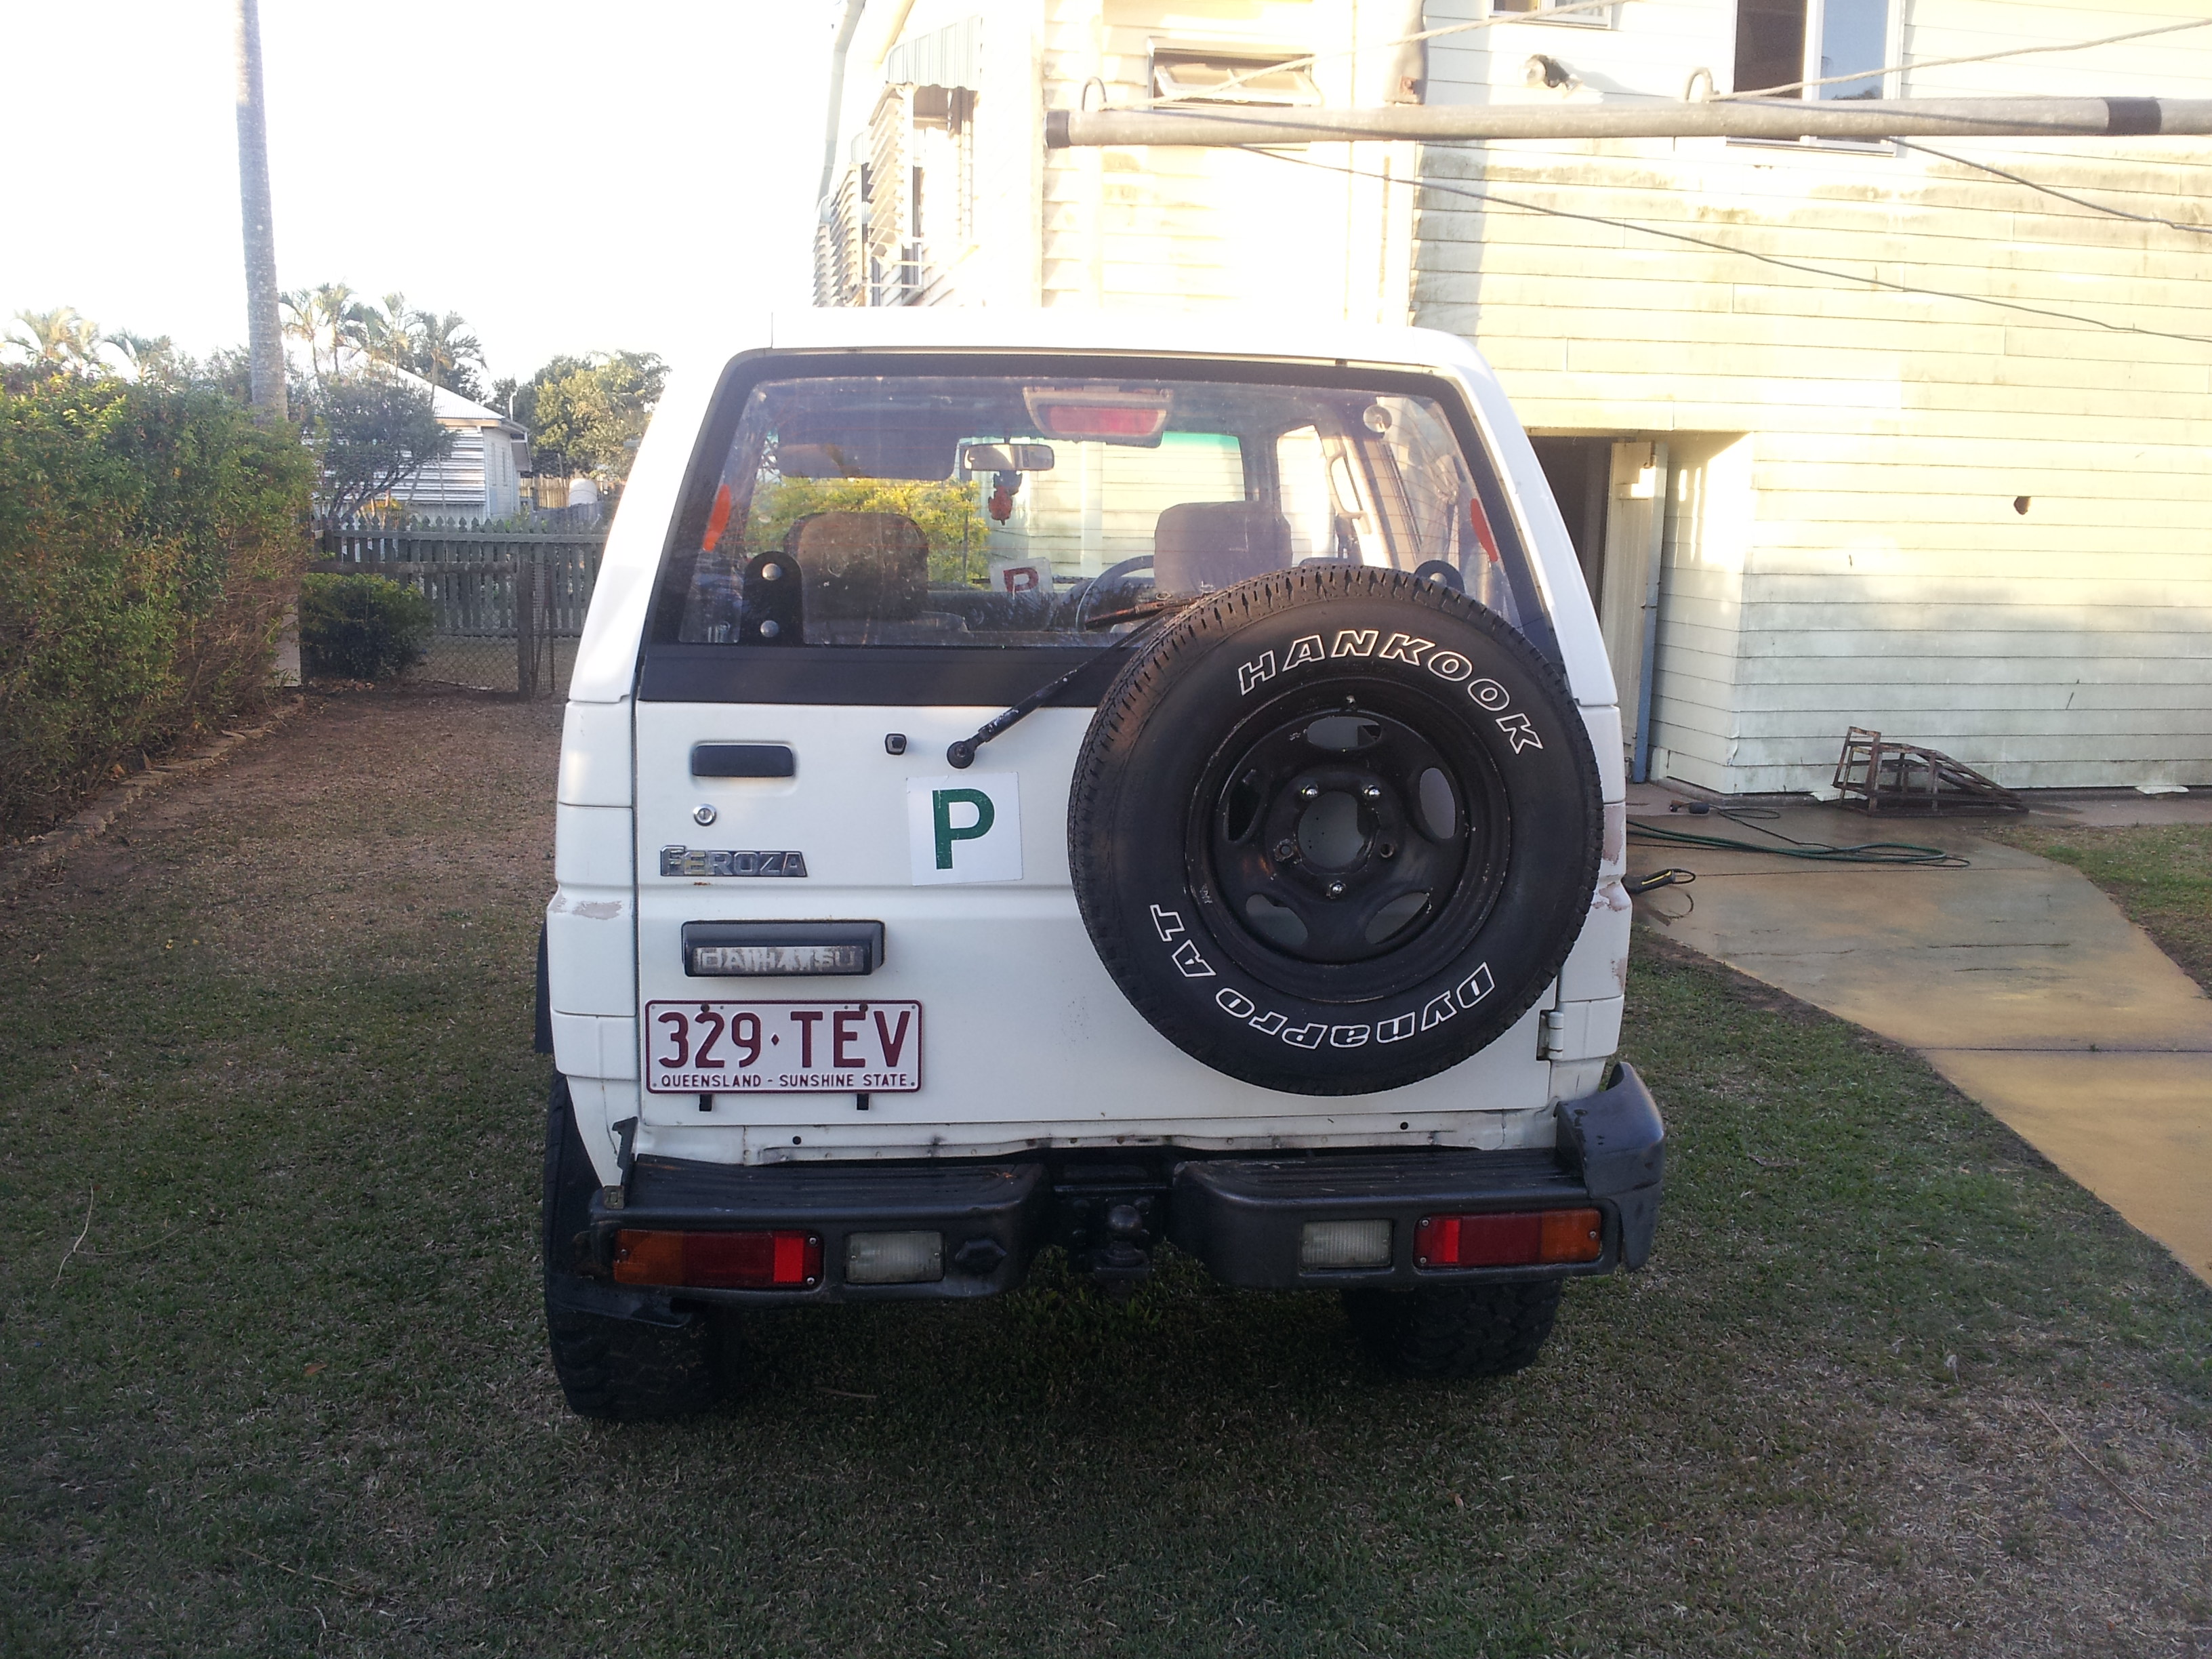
x,y
509,606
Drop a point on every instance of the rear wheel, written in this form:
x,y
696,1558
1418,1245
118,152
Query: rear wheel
x,y
1455,1330
622,1370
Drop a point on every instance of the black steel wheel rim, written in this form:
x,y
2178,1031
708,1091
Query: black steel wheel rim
x,y
1345,843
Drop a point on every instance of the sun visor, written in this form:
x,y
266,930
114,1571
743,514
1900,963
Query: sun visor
x,y
847,449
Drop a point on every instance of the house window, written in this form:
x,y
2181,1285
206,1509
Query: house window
x,y
1534,11
1214,78
1780,43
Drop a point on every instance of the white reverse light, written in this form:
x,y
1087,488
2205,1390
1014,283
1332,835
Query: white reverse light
x,y
893,1258
1343,1244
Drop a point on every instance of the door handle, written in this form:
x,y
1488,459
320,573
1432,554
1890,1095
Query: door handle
x,y
743,760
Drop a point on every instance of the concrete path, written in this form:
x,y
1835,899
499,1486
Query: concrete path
x,y
2016,978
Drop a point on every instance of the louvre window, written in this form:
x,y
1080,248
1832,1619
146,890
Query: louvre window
x,y
1221,78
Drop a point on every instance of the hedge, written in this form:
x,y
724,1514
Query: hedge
x,y
149,538
361,627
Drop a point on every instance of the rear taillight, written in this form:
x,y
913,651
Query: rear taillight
x,y
737,1261
1516,1238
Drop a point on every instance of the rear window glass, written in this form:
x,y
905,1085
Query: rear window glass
x,y
984,511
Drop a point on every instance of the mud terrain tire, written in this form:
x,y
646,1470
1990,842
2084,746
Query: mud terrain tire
x,y
622,1371
1335,829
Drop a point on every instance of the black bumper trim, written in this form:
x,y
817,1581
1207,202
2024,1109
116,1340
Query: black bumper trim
x,y
1243,1218
1004,1203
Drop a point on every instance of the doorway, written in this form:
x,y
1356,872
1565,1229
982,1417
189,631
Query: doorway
x,y
1611,492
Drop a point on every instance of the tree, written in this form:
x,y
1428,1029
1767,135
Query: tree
x,y
329,321
266,341
435,347
153,360
447,354
58,341
388,332
372,432
586,415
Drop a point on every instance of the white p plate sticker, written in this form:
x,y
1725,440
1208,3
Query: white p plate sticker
x,y
964,828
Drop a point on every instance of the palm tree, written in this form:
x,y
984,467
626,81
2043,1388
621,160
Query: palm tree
x,y
265,342
330,322
58,339
153,358
444,350
388,332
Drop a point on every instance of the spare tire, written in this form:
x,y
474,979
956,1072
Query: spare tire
x,y
1335,829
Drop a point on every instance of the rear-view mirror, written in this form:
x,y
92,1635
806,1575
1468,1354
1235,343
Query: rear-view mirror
x,y
1006,458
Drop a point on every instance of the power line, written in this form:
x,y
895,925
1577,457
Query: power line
x,y
1977,58
2052,190
1495,19
1453,189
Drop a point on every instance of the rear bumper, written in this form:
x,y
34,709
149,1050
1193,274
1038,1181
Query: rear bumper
x,y
1242,1216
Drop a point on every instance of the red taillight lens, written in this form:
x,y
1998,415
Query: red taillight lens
x,y
1514,1238
746,1261
1103,421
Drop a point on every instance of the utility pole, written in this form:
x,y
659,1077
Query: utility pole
x,y
264,337
1745,118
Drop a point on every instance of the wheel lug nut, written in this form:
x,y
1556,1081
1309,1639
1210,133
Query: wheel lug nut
x,y
1335,889
1309,792
1286,850
1372,792
1387,849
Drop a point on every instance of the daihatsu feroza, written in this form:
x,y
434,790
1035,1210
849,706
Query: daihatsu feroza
x,y
1089,781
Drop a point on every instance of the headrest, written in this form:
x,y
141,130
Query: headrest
x,y
1200,547
856,566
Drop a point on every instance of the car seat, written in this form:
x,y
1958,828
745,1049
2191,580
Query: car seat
x,y
859,566
1199,547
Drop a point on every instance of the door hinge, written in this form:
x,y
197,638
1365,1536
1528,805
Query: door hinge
x,y
1551,1034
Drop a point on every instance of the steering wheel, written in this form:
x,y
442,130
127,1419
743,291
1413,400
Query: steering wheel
x,y
1113,575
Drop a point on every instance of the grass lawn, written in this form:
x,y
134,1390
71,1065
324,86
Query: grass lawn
x,y
1892,1385
2160,874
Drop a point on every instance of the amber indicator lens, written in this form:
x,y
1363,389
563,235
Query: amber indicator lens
x,y
1514,1238
718,1260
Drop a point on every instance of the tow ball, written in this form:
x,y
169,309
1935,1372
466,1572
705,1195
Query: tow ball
x,y
1110,1238
1122,1258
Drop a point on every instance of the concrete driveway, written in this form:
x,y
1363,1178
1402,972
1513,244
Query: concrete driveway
x,y
2017,979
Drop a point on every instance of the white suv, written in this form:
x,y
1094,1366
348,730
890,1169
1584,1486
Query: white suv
x,y
1079,780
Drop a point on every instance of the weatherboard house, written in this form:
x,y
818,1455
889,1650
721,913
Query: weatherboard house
x,y
481,477
1901,435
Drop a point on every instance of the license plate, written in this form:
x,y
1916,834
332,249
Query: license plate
x,y
782,1048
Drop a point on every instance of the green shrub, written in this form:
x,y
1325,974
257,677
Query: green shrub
x,y
361,627
150,536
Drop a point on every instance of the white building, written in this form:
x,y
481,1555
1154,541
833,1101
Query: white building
x,y
481,477
1856,494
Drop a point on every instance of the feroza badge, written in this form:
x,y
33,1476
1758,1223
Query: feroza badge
x,y
964,828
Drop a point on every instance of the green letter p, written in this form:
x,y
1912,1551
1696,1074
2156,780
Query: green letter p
x,y
941,803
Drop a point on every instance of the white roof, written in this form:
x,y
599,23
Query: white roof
x,y
447,405
452,406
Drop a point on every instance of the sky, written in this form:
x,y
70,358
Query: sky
x,y
568,177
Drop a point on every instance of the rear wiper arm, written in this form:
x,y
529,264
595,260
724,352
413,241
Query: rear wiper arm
x,y
961,755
